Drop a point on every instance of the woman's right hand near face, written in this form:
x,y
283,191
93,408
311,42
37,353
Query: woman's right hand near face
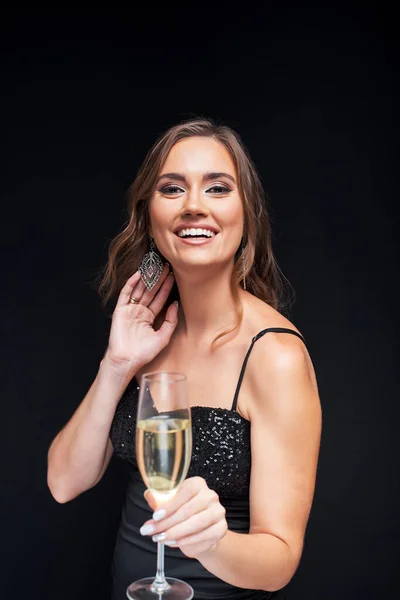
x,y
133,341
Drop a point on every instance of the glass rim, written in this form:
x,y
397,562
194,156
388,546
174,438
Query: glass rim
x,y
162,376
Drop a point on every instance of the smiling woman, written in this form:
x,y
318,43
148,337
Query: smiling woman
x,y
199,232
177,167
202,200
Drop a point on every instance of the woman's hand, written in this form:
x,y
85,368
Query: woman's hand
x,y
193,520
133,341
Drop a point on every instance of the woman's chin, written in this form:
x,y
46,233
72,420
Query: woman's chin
x,y
190,267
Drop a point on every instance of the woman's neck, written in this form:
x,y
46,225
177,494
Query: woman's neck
x,y
207,307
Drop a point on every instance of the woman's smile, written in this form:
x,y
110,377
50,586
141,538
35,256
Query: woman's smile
x,y
196,234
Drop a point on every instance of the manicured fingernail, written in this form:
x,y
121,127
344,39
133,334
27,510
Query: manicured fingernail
x,y
170,543
159,514
147,529
159,537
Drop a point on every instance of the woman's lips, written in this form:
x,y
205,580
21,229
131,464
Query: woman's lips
x,y
196,241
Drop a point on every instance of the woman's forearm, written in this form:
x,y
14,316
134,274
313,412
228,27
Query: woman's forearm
x,y
255,561
78,453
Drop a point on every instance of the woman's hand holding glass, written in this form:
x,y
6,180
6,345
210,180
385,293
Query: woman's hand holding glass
x,y
193,520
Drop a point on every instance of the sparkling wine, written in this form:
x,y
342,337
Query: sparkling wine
x,y
163,450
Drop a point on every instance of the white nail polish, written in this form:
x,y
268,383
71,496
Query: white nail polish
x,y
159,514
159,537
147,529
170,543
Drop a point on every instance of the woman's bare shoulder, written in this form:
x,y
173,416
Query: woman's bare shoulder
x,y
259,315
275,355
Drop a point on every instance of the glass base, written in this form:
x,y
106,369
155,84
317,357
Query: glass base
x,y
143,589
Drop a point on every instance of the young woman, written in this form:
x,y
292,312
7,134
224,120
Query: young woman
x,y
236,526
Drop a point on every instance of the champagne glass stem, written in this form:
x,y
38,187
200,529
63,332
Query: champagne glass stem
x,y
160,584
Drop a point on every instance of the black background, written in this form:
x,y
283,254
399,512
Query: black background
x,y
313,92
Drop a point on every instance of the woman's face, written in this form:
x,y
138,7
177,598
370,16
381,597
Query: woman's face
x,y
196,212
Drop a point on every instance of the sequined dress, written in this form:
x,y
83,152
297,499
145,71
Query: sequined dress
x,y
222,456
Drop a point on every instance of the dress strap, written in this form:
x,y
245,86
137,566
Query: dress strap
x,y
246,358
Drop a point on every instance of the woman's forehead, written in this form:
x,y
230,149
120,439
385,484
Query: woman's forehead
x,y
199,155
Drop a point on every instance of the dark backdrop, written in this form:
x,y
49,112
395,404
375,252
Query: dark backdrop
x,y
313,93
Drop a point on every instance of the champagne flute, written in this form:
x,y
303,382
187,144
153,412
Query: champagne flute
x,y
163,453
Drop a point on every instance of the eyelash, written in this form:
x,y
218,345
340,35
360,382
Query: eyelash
x,y
223,189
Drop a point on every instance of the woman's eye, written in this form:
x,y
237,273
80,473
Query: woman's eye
x,y
172,189
218,189
176,189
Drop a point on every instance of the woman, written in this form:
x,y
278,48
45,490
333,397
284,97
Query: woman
x,y
235,528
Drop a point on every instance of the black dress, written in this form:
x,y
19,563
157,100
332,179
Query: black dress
x,y
222,456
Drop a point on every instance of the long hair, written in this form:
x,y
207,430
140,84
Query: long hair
x,y
254,260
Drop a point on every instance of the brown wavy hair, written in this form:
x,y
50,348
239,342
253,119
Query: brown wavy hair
x,y
254,260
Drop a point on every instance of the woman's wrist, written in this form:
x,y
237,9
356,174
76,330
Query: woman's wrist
x,y
215,550
117,372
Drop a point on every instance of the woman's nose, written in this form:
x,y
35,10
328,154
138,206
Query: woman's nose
x,y
194,203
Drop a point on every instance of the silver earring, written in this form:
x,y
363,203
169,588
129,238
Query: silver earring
x,y
244,272
151,267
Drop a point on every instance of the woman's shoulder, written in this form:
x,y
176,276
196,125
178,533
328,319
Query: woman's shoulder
x,y
260,316
274,354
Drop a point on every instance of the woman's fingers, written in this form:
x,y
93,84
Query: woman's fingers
x,y
126,292
148,496
162,521
193,510
206,499
138,292
135,288
187,498
160,298
170,322
193,520
132,333
196,544
195,525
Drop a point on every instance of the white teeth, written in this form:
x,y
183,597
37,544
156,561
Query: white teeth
x,y
196,232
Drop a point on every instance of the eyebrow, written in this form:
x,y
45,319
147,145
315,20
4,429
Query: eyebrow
x,y
206,176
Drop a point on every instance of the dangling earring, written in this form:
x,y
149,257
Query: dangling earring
x,y
151,267
244,272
